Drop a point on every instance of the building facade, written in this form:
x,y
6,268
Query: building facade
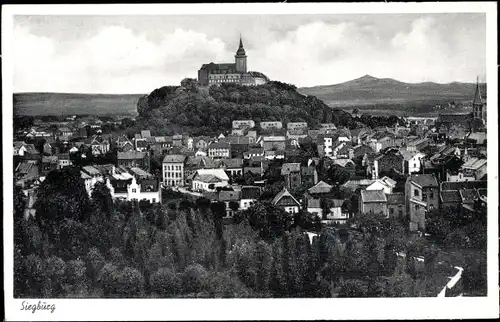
x,y
173,170
210,74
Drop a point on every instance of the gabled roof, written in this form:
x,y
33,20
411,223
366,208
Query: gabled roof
x,y
174,158
396,198
131,155
140,173
355,184
373,196
389,181
343,162
474,163
284,193
209,174
25,167
456,185
313,203
287,168
219,145
468,195
450,196
408,155
336,203
320,187
423,180
250,192
232,163
229,195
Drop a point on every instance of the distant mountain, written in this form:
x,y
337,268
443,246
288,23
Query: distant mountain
x,y
369,90
75,104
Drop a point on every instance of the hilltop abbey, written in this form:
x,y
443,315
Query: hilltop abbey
x,y
236,72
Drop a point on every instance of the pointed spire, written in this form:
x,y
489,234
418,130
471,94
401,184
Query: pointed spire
x,y
241,50
477,95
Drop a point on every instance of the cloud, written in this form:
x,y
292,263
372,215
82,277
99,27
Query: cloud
x,y
119,59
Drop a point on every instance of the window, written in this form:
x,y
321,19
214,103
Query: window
x,y
424,197
134,190
417,207
431,207
431,194
154,199
391,211
416,193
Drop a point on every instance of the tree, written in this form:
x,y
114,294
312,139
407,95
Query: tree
x,y
353,288
194,278
102,198
165,282
55,271
94,263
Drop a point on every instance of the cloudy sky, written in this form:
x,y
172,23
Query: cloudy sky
x,y
136,54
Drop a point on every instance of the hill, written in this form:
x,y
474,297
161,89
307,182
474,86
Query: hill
x,y
38,104
204,110
369,91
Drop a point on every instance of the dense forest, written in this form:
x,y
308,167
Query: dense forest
x,y
80,246
202,110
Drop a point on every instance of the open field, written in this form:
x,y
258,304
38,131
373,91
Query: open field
x,y
75,104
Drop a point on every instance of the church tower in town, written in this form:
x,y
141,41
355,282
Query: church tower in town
x,y
241,59
479,105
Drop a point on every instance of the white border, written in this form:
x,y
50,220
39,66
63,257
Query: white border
x,y
156,309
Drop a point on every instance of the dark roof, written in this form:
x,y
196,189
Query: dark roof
x,y
131,155
290,167
219,145
232,163
373,196
468,195
396,198
457,185
307,170
229,195
424,180
450,196
174,158
219,68
258,74
250,192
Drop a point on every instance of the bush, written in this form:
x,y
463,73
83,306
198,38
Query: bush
x,y
165,282
194,278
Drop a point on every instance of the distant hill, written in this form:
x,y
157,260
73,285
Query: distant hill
x,y
75,104
369,90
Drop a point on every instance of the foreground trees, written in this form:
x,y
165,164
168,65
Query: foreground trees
x,y
94,247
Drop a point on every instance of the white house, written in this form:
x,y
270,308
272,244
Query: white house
x,y
412,159
249,195
91,176
144,190
209,179
385,183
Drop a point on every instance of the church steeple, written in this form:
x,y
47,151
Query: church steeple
x,y
241,50
478,104
240,58
478,99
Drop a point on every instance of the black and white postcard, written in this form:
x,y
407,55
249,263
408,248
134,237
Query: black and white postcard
x,y
250,161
